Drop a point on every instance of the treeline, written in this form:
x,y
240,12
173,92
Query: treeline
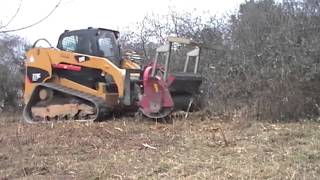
x,y
263,62
12,49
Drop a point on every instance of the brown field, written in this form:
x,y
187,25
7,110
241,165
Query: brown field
x,y
139,149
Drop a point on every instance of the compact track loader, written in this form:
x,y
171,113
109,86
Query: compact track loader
x,y
85,79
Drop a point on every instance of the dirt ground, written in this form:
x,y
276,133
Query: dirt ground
x,y
128,148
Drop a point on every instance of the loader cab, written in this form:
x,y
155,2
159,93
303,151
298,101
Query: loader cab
x,y
92,41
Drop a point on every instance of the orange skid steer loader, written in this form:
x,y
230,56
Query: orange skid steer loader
x,y
85,78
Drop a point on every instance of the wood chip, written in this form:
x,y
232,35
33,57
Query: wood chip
x,y
119,129
148,146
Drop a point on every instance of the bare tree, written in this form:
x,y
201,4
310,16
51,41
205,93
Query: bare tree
x,y
12,50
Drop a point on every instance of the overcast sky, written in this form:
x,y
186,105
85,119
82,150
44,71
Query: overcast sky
x,y
112,14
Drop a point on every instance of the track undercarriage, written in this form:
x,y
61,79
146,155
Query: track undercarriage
x,y
52,102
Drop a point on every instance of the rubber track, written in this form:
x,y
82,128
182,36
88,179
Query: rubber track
x,y
99,103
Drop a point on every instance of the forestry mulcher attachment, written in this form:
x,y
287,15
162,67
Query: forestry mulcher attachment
x,y
85,79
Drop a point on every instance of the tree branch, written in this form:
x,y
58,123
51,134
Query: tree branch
x,y
14,16
36,23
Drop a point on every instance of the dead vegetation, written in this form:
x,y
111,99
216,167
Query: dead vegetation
x,y
139,149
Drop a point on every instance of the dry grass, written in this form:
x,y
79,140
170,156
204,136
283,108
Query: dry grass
x,y
185,149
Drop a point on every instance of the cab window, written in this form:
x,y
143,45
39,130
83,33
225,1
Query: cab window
x,y
106,47
69,43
